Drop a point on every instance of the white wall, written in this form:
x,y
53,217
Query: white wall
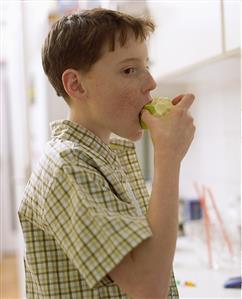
x,y
214,156
44,105
24,27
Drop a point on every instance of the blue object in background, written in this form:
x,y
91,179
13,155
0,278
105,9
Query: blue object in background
x,y
192,209
233,283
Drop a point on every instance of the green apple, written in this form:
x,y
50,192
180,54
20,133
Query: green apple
x,y
158,107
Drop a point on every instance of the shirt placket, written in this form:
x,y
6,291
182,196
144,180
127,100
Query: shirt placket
x,y
121,176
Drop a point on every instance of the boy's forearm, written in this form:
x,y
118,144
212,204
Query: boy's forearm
x,y
155,255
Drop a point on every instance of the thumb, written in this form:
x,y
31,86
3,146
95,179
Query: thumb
x,y
145,115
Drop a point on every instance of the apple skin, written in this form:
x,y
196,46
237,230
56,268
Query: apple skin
x,y
160,106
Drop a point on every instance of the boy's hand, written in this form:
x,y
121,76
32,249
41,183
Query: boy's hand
x,y
173,133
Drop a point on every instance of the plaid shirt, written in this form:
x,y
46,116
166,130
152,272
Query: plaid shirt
x,y
83,210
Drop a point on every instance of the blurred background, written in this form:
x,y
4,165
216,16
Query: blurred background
x,y
195,49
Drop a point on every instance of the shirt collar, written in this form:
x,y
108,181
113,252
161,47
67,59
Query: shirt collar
x,y
68,130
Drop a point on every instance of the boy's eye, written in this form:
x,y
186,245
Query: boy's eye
x,y
129,71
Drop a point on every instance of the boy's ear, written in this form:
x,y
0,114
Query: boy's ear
x,y
73,85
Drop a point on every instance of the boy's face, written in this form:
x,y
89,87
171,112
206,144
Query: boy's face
x,y
118,86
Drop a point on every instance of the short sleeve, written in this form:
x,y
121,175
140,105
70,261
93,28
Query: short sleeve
x,y
83,215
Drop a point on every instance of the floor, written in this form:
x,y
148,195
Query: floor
x,y
9,284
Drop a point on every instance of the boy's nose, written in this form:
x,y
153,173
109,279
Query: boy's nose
x,y
149,82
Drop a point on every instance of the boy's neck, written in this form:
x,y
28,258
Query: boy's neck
x,y
103,135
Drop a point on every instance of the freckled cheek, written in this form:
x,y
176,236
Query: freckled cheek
x,y
130,101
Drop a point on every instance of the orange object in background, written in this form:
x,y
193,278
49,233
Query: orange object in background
x,y
205,194
189,284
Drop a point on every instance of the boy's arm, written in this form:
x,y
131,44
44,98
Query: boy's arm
x,y
145,272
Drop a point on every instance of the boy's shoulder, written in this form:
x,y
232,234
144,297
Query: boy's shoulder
x,y
63,153
59,159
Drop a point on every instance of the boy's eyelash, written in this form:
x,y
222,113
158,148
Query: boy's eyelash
x,y
134,69
128,69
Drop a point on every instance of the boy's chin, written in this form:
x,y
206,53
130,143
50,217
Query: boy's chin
x,y
134,135
137,136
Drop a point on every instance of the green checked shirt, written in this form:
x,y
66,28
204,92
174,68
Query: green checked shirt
x,y
83,210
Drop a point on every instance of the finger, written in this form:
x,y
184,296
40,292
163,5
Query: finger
x,y
186,101
177,99
147,117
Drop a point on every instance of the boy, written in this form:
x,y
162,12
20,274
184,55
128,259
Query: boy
x,y
91,230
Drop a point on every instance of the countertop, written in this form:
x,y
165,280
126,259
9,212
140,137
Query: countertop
x,y
193,267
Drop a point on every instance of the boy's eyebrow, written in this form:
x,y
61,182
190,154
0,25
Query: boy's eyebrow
x,y
131,59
